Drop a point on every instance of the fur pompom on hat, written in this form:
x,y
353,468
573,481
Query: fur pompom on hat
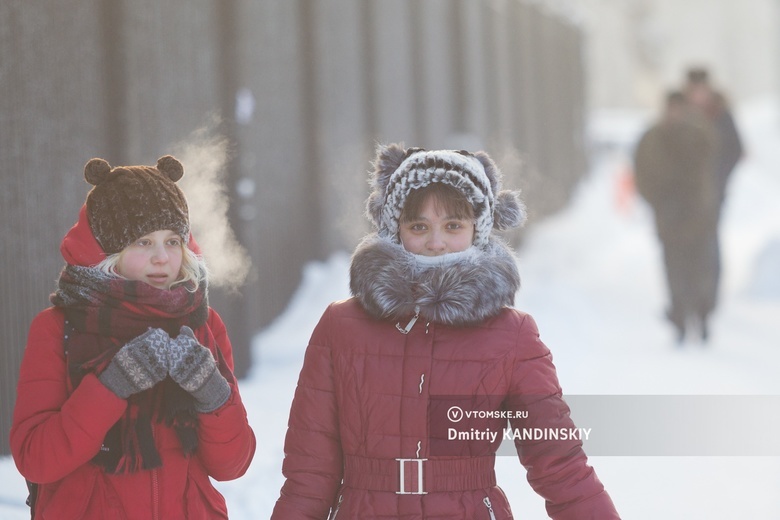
x,y
398,171
128,202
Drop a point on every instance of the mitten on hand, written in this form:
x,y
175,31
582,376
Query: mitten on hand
x,y
139,365
193,367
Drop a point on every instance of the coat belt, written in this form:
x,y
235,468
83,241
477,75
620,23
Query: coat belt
x,y
456,474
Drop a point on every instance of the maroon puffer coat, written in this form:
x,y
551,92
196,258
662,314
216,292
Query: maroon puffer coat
x,y
365,394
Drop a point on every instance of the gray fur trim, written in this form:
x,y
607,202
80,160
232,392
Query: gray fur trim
x,y
389,283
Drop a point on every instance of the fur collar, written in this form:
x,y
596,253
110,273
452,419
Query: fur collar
x,y
390,283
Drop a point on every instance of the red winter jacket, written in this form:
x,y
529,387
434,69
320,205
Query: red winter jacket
x,y
56,433
367,394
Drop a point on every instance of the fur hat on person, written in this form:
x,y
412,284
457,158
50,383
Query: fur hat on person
x,y
128,202
398,171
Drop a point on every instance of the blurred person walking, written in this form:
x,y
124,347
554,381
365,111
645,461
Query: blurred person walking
x,y
673,166
712,105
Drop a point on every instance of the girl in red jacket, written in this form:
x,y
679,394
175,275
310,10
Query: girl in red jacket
x,y
429,332
126,402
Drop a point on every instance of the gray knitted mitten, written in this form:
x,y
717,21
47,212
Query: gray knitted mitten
x,y
139,365
193,367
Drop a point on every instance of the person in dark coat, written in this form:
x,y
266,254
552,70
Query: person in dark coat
x,y
712,105
673,172
430,326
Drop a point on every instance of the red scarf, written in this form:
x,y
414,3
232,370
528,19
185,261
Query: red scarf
x,y
103,313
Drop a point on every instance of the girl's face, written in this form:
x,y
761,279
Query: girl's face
x,y
434,233
155,258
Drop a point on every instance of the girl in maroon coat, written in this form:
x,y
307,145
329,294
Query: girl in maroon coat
x,y
126,402
430,331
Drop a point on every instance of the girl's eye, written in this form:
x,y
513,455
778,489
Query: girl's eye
x,y
454,225
144,242
417,227
174,242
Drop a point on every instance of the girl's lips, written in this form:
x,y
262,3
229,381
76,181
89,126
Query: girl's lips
x,y
157,278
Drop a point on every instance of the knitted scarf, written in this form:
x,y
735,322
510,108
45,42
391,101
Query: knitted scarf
x,y
102,313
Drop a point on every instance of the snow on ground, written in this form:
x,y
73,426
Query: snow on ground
x,y
593,280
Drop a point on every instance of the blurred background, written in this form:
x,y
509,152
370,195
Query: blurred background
x,y
275,107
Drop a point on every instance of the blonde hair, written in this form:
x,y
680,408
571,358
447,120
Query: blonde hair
x,y
193,268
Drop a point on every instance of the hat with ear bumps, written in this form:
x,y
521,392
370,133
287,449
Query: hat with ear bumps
x,y
398,171
128,202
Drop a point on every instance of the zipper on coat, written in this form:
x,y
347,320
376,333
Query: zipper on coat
x,y
489,508
338,506
155,496
405,330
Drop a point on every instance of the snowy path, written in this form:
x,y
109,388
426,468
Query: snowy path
x,y
592,279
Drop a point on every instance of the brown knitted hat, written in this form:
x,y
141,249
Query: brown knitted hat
x,y
128,202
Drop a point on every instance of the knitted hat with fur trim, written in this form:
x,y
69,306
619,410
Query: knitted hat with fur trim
x,y
128,202
398,171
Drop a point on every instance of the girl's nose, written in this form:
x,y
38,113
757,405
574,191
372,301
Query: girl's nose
x,y
159,255
436,242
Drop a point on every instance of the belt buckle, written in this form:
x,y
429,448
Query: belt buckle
x,y
402,483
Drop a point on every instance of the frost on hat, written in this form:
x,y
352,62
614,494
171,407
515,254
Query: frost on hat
x,y
128,202
398,171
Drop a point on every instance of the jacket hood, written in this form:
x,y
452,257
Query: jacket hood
x,y
80,247
391,283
